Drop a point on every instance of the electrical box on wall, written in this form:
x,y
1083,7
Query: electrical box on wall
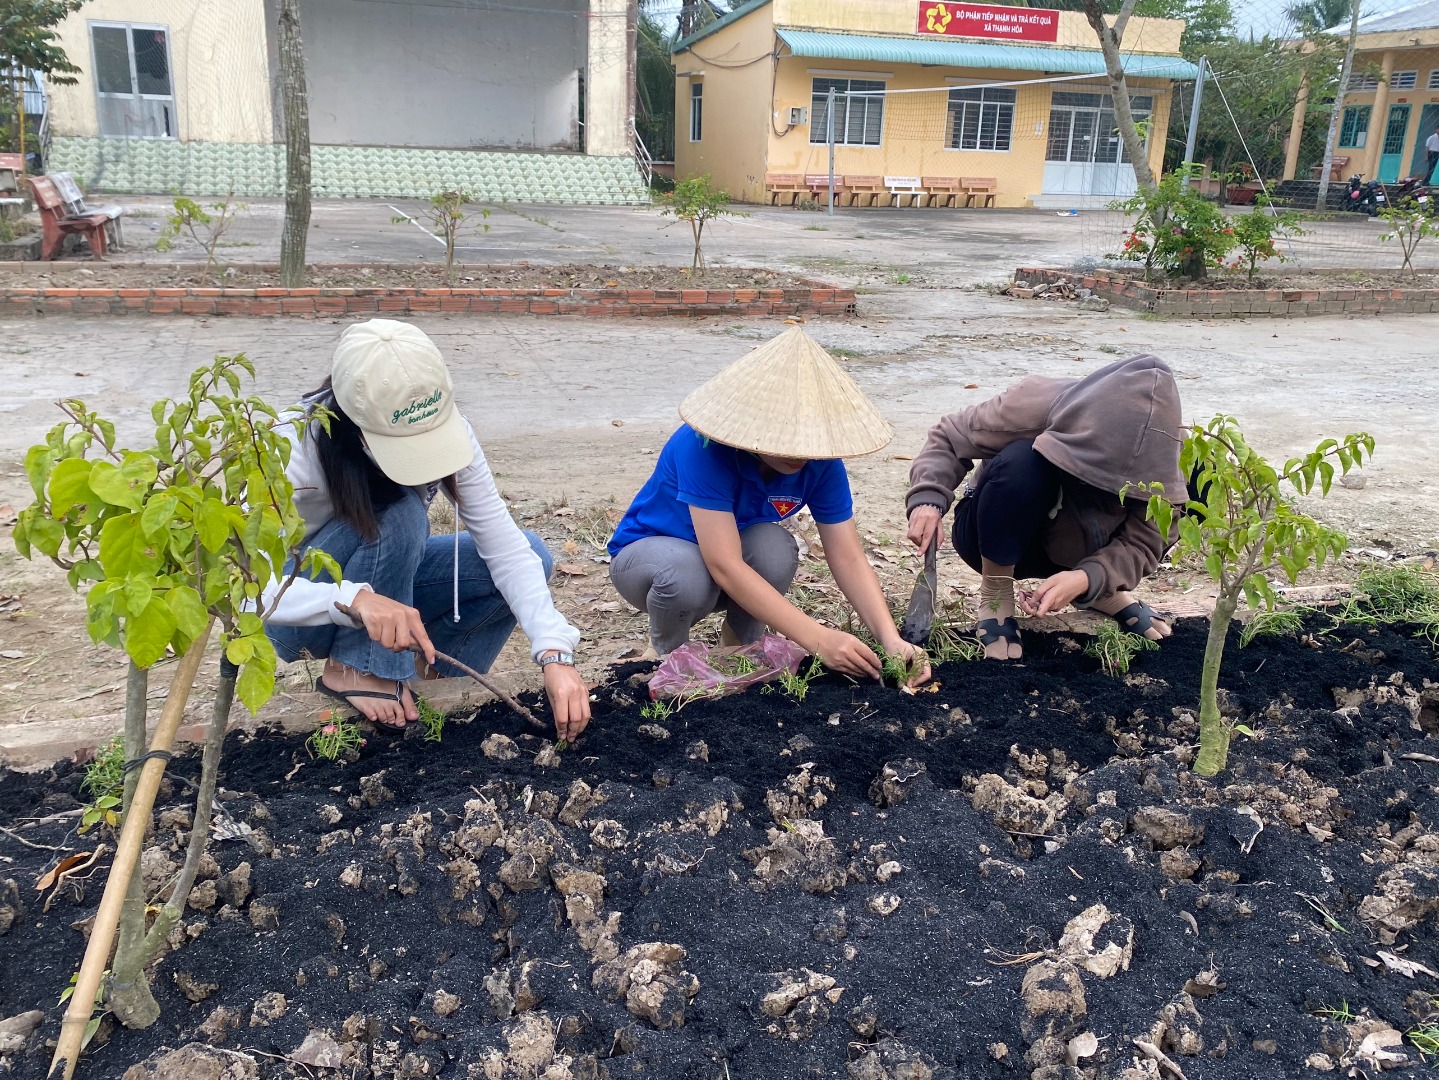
x,y
798,115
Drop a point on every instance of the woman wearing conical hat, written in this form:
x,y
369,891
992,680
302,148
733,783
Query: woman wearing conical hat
x,y
761,440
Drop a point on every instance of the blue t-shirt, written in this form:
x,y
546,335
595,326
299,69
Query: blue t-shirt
x,y
693,471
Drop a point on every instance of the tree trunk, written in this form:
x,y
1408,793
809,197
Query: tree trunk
x,y
130,998
1109,39
1213,733
296,104
1321,198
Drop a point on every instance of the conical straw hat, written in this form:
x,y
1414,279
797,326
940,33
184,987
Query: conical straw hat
x,y
787,398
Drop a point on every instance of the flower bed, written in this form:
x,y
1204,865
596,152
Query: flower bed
x,y
1130,292
860,884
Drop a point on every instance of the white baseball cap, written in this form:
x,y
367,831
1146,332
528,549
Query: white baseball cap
x,y
389,378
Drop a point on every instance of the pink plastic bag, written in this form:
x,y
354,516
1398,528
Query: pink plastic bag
x,y
694,668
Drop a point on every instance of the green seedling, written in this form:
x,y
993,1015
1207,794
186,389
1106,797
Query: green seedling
x,y
105,782
796,685
432,719
733,666
334,738
1115,649
101,1008
901,670
1273,624
1341,1012
1324,913
1391,595
658,710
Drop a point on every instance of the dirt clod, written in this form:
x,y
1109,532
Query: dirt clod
x,y
194,1061
1166,828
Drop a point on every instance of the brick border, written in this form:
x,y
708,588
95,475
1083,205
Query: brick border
x,y
809,299
1240,303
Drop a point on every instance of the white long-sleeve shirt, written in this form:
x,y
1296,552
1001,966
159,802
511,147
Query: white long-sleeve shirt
x,y
514,567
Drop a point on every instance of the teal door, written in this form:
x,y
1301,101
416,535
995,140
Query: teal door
x,y
1428,121
1391,155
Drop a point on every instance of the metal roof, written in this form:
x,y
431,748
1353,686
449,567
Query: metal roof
x,y
734,15
1414,17
967,54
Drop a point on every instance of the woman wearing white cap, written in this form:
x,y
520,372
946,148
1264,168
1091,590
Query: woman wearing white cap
x,y
760,440
363,489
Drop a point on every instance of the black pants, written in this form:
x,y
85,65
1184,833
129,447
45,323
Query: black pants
x,y
1004,519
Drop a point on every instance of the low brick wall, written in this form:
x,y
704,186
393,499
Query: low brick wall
x,y
1240,303
589,303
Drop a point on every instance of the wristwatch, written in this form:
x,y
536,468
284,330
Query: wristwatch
x,y
556,657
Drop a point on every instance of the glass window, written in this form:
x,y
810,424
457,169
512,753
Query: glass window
x,y
697,101
858,111
980,118
152,61
112,60
1354,129
1403,80
1082,127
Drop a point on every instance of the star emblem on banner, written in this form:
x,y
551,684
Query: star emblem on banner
x,y
939,19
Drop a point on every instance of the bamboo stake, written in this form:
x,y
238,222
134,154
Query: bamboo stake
x,y
520,710
127,855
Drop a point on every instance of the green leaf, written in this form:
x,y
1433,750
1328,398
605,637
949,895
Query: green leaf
x,y
38,461
45,535
157,514
148,633
240,650
124,550
190,614
123,485
255,686
137,594
69,484
212,524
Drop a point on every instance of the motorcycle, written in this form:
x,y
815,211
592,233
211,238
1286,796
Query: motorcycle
x,y
1364,198
1412,187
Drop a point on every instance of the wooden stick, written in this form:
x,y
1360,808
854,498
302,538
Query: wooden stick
x,y
524,713
127,855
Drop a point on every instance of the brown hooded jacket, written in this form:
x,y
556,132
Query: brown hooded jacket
x,y
1118,426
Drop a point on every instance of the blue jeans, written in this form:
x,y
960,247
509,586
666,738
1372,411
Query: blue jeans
x,y
407,564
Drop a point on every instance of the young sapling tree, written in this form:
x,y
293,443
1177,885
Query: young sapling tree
x,y
698,202
1409,221
169,539
1243,528
205,225
446,213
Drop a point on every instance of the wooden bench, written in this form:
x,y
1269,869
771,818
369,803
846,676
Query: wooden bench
x,y
817,184
1337,166
56,223
947,188
791,184
869,188
12,199
75,205
983,188
900,186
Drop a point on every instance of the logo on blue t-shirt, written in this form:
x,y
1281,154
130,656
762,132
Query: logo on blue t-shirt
x,y
785,505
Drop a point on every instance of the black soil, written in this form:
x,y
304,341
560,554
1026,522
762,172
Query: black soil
x,y
371,900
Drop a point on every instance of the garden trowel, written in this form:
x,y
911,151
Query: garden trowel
x,y
919,619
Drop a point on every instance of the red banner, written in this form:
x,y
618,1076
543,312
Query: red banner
x,y
988,21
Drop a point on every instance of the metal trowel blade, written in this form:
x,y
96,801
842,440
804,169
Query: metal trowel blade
x,y
919,618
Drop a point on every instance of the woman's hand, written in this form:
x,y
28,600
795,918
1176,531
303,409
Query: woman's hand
x,y
569,700
846,654
914,656
924,526
394,625
1055,592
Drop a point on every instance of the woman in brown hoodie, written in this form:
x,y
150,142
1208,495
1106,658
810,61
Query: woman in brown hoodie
x,y
1044,500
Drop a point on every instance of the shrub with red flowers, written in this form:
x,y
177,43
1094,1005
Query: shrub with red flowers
x,y
1175,230
1257,233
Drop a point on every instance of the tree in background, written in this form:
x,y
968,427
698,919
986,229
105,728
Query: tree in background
x,y
1318,15
295,100
694,14
655,85
28,42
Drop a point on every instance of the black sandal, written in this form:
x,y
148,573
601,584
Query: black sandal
x,y
345,695
1137,618
993,631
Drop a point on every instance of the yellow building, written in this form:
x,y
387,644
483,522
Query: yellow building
x,y
922,89
1391,105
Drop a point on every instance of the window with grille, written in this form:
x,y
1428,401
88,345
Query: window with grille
x,y
1358,80
1434,80
132,80
1354,129
1404,80
1082,127
980,118
697,105
858,111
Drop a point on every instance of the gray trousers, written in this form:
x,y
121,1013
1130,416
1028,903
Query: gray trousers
x,y
666,578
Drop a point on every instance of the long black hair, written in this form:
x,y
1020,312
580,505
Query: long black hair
x,y
359,489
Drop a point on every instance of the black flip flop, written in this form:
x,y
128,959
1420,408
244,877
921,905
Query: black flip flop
x,y
993,631
345,695
1137,618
